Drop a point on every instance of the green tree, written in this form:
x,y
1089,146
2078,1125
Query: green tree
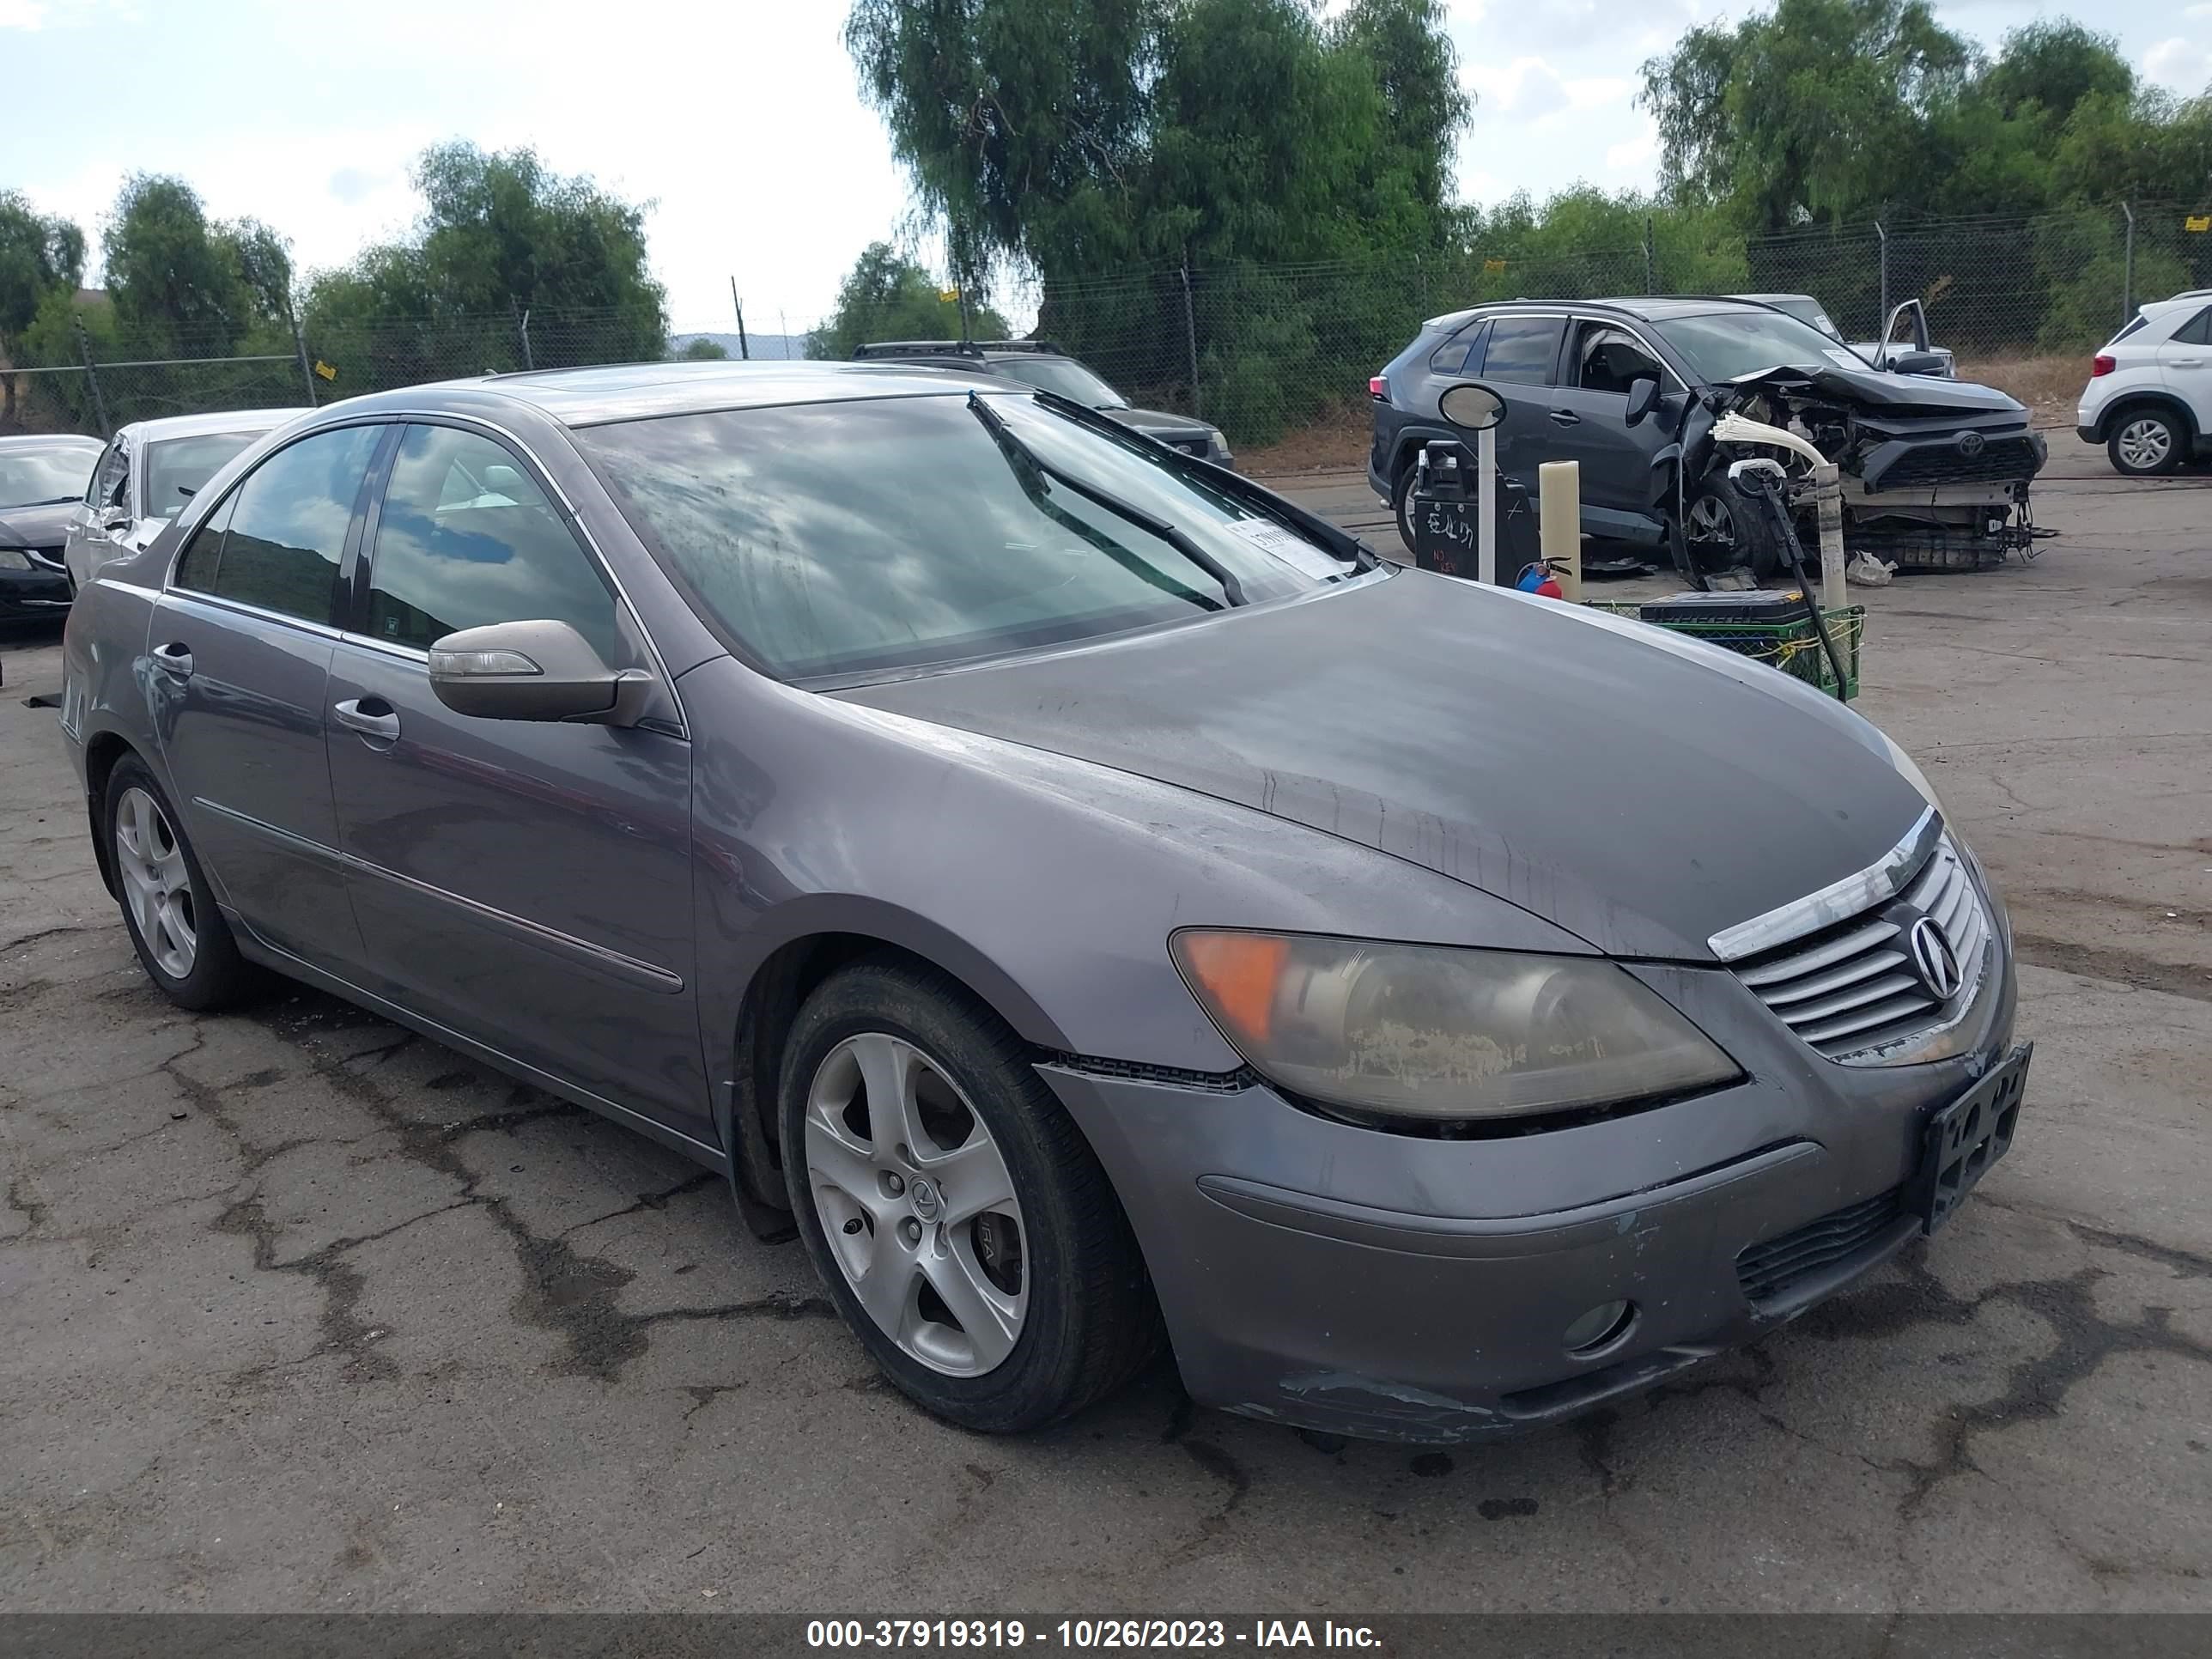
x,y
184,285
703,350
41,256
887,297
501,235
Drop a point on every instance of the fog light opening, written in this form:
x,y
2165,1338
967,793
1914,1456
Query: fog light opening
x,y
1598,1329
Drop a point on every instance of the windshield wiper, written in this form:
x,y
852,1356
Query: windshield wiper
x,y
1265,502
1024,458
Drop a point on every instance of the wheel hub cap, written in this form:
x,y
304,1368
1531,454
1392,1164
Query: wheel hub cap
x,y
157,886
917,1205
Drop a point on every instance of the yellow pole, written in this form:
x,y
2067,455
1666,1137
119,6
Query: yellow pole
x,y
1560,522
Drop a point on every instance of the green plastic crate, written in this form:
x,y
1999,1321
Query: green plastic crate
x,y
1792,648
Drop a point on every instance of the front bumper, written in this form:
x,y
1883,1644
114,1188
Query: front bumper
x,y
1341,1279
37,592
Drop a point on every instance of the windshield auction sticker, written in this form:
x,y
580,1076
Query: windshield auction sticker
x,y
1292,549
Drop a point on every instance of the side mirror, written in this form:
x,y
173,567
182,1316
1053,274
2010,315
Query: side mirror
x,y
1915,363
1643,398
114,521
533,671
1472,406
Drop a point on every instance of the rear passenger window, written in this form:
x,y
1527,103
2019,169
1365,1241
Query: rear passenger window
x,y
287,526
2197,331
1521,350
467,537
1463,353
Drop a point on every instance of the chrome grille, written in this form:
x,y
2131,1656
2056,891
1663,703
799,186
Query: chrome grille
x,y
1851,989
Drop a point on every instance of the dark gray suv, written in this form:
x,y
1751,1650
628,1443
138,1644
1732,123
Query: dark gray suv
x,y
1936,473
1061,878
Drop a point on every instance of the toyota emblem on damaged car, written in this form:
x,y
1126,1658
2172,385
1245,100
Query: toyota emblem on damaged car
x,y
1934,959
1971,444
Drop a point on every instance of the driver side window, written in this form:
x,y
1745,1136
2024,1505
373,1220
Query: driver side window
x,y
466,537
1608,359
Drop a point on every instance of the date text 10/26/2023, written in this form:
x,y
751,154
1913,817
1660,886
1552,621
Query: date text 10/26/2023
x,y
1089,1633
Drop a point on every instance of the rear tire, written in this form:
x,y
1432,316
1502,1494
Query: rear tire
x,y
1401,502
1012,1293
2146,443
183,942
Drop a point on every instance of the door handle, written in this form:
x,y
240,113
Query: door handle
x,y
371,717
175,658
1566,417
2183,363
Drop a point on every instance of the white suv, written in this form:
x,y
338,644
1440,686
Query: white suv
x,y
2149,396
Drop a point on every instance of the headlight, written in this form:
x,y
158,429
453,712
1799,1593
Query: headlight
x,y
1426,1032
12,558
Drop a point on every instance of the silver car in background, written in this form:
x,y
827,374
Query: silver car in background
x,y
146,475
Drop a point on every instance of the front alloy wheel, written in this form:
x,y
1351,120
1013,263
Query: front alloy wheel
x,y
961,1222
916,1204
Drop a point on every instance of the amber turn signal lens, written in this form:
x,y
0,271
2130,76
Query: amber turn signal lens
x,y
1237,974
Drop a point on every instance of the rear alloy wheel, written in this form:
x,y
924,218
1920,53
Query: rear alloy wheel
x,y
181,939
961,1222
2145,443
1402,503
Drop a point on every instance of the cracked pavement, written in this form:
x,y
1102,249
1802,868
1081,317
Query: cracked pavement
x,y
306,1313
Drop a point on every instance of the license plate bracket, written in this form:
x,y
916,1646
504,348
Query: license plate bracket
x,y
1964,1138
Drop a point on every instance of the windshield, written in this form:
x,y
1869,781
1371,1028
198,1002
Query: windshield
x,y
56,472
1722,344
1807,310
177,469
1061,374
858,538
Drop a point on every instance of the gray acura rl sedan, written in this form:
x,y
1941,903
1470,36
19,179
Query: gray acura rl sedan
x,y
1090,899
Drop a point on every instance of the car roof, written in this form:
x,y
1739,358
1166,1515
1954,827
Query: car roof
x,y
630,392
50,440
1650,309
200,426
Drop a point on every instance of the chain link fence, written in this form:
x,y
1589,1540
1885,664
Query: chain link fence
x,y
1259,351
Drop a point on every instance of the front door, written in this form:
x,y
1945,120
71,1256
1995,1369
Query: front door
x,y
237,668
527,885
1589,417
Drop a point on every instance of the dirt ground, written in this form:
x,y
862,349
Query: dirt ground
x,y
305,1313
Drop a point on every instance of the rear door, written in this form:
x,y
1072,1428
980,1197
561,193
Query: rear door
x,y
2185,361
1589,417
238,665
1518,358
527,885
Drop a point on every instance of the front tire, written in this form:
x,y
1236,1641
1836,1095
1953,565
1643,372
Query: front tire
x,y
2145,443
1727,530
961,1223
182,940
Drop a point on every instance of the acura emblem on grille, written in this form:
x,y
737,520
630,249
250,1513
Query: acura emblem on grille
x,y
1970,444
1934,959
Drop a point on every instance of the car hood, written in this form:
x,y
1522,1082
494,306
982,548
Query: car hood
x,y
1895,394
1155,420
1639,790
35,527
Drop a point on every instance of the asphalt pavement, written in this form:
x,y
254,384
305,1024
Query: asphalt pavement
x,y
303,1312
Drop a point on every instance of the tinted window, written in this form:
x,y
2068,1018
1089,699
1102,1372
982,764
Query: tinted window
x,y
467,537
1064,375
1608,359
1463,353
850,538
2140,321
288,525
197,568
2197,331
175,470
1522,348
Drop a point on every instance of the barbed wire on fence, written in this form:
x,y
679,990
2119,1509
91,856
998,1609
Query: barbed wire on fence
x,y
1257,349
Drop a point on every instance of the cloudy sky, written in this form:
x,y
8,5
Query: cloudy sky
x,y
740,122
